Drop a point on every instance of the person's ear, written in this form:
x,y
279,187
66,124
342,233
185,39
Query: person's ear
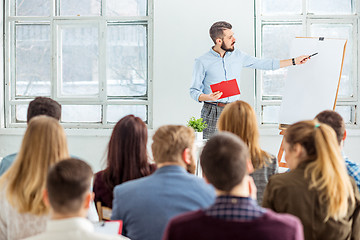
x,y
88,199
186,156
46,198
344,137
298,150
249,166
219,41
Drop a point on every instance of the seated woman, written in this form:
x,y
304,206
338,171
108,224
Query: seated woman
x,y
239,118
126,159
23,212
318,189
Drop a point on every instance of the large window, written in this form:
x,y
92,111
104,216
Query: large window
x,y
92,56
278,22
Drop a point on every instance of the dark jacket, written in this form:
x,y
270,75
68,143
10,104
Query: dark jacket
x,y
289,193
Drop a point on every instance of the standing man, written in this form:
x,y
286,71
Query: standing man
x,y
223,63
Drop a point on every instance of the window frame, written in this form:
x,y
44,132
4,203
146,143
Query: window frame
x,y
56,21
306,19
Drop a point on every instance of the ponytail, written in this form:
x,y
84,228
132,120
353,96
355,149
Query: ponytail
x,y
327,171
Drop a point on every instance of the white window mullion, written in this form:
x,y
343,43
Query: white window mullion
x,y
150,52
12,55
103,7
9,39
258,78
102,68
56,60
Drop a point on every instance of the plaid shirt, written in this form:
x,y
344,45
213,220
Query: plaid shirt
x,y
353,170
235,209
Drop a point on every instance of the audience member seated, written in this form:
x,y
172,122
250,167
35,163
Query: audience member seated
x,y
39,106
23,212
147,204
126,158
239,118
68,196
334,120
235,214
318,189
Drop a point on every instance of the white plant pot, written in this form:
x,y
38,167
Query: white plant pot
x,y
198,136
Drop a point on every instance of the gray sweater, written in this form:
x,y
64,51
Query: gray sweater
x,y
261,176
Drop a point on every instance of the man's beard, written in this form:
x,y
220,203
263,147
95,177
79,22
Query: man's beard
x,y
223,47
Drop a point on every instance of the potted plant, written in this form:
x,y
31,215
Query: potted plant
x,y
198,125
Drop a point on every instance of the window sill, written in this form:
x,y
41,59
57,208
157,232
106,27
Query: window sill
x,y
69,132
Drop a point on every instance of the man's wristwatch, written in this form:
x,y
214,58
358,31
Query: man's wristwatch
x,y
293,61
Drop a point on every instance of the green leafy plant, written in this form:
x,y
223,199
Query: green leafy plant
x,y
197,124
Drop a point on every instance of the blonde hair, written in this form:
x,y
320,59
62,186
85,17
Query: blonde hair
x,y
326,171
239,118
43,145
170,141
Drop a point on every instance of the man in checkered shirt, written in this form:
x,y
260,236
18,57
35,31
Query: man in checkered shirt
x,y
235,213
334,120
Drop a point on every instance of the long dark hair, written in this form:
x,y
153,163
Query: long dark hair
x,y
127,155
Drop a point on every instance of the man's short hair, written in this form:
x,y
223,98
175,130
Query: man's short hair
x,y
170,141
224,160
334,120
67,183
217,30
44,106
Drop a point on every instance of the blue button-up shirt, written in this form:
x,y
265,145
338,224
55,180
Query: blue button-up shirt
x,y
211,68
353,169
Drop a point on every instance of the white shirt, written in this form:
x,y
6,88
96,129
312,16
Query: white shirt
x,y
72,229
15,225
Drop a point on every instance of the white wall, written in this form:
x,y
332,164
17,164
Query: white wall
x,y
180,35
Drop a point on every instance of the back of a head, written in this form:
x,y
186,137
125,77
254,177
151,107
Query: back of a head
x,y
127,153
223,161
325,165
239,118
67,184
44,106
334,120
44,144
170,141
216,30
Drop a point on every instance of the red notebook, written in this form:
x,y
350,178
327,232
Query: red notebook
x,y
228,88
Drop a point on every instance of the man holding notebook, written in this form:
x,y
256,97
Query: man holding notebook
x,y
223,63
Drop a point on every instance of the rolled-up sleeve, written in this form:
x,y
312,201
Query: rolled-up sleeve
x,y
197,85
257,63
